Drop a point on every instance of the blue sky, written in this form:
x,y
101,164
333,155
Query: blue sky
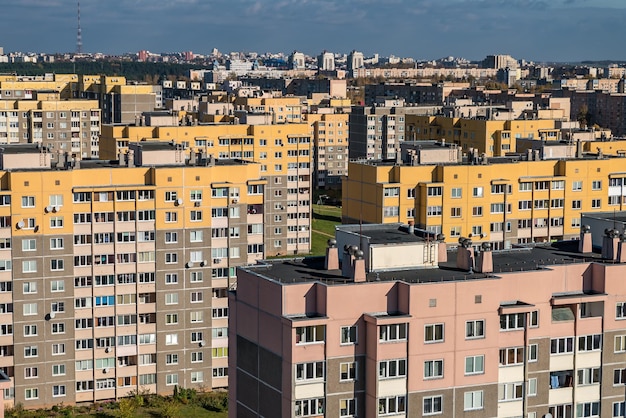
x,y
542,30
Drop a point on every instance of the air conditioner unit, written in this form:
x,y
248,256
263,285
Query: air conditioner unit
x,y
216,260
197,204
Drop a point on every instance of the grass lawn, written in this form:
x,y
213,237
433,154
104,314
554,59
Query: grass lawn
x,y
323,227
186,411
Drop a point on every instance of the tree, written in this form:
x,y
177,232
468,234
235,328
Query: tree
x,y
583,116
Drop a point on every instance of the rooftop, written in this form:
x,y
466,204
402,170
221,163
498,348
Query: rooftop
x,y
299,270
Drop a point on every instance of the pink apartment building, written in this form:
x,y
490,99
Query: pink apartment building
x,y
400,328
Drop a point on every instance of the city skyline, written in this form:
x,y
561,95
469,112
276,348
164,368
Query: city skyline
x,y
422,29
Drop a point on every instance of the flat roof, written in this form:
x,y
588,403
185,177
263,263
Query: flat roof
x,y
300,270
393,233
619,216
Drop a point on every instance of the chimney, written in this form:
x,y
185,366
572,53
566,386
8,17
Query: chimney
x,y
609,244
485,260
199,157
348,258
442,249
536,153
411,227
358,267
584,245
60,159
121,158
621,249
192,157
579,149
465,255
131,158
77,161
332,255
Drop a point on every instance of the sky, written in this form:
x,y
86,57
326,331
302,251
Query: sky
x,y
537,30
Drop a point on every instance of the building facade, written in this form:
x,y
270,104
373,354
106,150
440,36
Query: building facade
x,y
538,334
503,201
114,277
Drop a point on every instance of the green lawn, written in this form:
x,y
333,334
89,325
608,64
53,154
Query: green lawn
x,y
323,227
186,411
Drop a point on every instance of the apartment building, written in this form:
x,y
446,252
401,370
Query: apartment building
x,y
492,137
284,155
114,276
62,125
503,201
376,132
330,146
532,332
412,92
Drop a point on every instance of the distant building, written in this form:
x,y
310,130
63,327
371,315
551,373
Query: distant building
x,y
326,61
355,60
500,62
296,61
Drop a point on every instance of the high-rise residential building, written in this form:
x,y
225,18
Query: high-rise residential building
x,y
114,276
377,131
329,133
297,61
355,60
500,62
537,196
326,61
62,125
389,325
282,151
119,101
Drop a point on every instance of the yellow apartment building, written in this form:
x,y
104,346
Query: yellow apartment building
x,y
114,277
492,137
284,155
503,201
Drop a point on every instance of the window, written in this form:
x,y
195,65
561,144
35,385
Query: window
x,y
620,343
310,371
56,243
196,297
477,192
197,356
171,339
56,222
58,349
456,192
618,409
475,329
473,400
30,309
389,369
588,376
588,409
433,369
391,191
510,391
516,321
348,335
455,212
58,369
434,191
392,332
474,364
30,372
309,407
171,258
29,266
562,345
620,310
511,356
197,377
347,371
29,245
619,376
433,333
596,185
391,405
29,287
576,204
590,342
57,265
171,298
31,393
171,379
171,359
31,351
477,211
347,408
310,334
28,201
